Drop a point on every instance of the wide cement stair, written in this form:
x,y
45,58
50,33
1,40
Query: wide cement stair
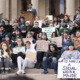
x,y
34,74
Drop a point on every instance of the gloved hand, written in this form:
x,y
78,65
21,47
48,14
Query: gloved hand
x,y
50,58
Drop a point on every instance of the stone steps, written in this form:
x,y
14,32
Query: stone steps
x,y
34,71
33,74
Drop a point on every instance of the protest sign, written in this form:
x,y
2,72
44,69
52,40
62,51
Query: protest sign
x,y
58,40
42,45
48,31
31,55
27,39
69,68
16,50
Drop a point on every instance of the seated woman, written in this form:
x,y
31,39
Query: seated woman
x,y
65,41
41,54
5,58
29,35
56,22
23,63
71,53
54,34
46,22
51,58
18,51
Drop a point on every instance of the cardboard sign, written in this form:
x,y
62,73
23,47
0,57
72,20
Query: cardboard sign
x,y
58,40
31,55
48,31
27,39
69,68
42,45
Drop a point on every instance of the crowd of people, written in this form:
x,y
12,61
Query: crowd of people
x,y
13,50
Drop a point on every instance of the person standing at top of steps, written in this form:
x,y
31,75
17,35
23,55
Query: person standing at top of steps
x,y
23,63
51,58
32,9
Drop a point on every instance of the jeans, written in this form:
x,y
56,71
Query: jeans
x,y
51,64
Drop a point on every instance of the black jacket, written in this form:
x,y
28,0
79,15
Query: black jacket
x,y
36,31
56,53
8,28
73,31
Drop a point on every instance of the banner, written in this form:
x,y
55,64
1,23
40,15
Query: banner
x,y
69,68
42,45
48,31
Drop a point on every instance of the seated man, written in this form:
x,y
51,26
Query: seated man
x,y
35,30
51,58
32,9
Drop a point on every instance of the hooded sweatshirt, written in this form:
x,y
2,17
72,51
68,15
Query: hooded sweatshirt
x,y
56,53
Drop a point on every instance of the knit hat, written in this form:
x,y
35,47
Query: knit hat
x,y
64,25
43,33
66,31
28,22
71,43
77,22
8,35
29,32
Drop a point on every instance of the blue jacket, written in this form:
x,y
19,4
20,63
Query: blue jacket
x,y
34,11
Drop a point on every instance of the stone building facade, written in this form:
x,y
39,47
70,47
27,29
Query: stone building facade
x,y
12,8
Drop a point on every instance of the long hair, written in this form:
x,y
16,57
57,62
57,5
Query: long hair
x,y
68,18
8,49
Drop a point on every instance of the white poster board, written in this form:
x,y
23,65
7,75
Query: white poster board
x,y
48,31
16,50
69,69
58,40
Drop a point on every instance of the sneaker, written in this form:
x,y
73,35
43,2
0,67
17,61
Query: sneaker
x,y
18,73
45,72
23,72
6,71
2,71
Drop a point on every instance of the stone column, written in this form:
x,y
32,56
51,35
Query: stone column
x,y
42,9
7,9
70,7
19,8
2,8
47,7
35,5
14,9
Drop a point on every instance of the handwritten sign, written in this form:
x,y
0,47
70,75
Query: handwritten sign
x,y
31,55
16,50
58,40
42,45
27,39
69,68
48,31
